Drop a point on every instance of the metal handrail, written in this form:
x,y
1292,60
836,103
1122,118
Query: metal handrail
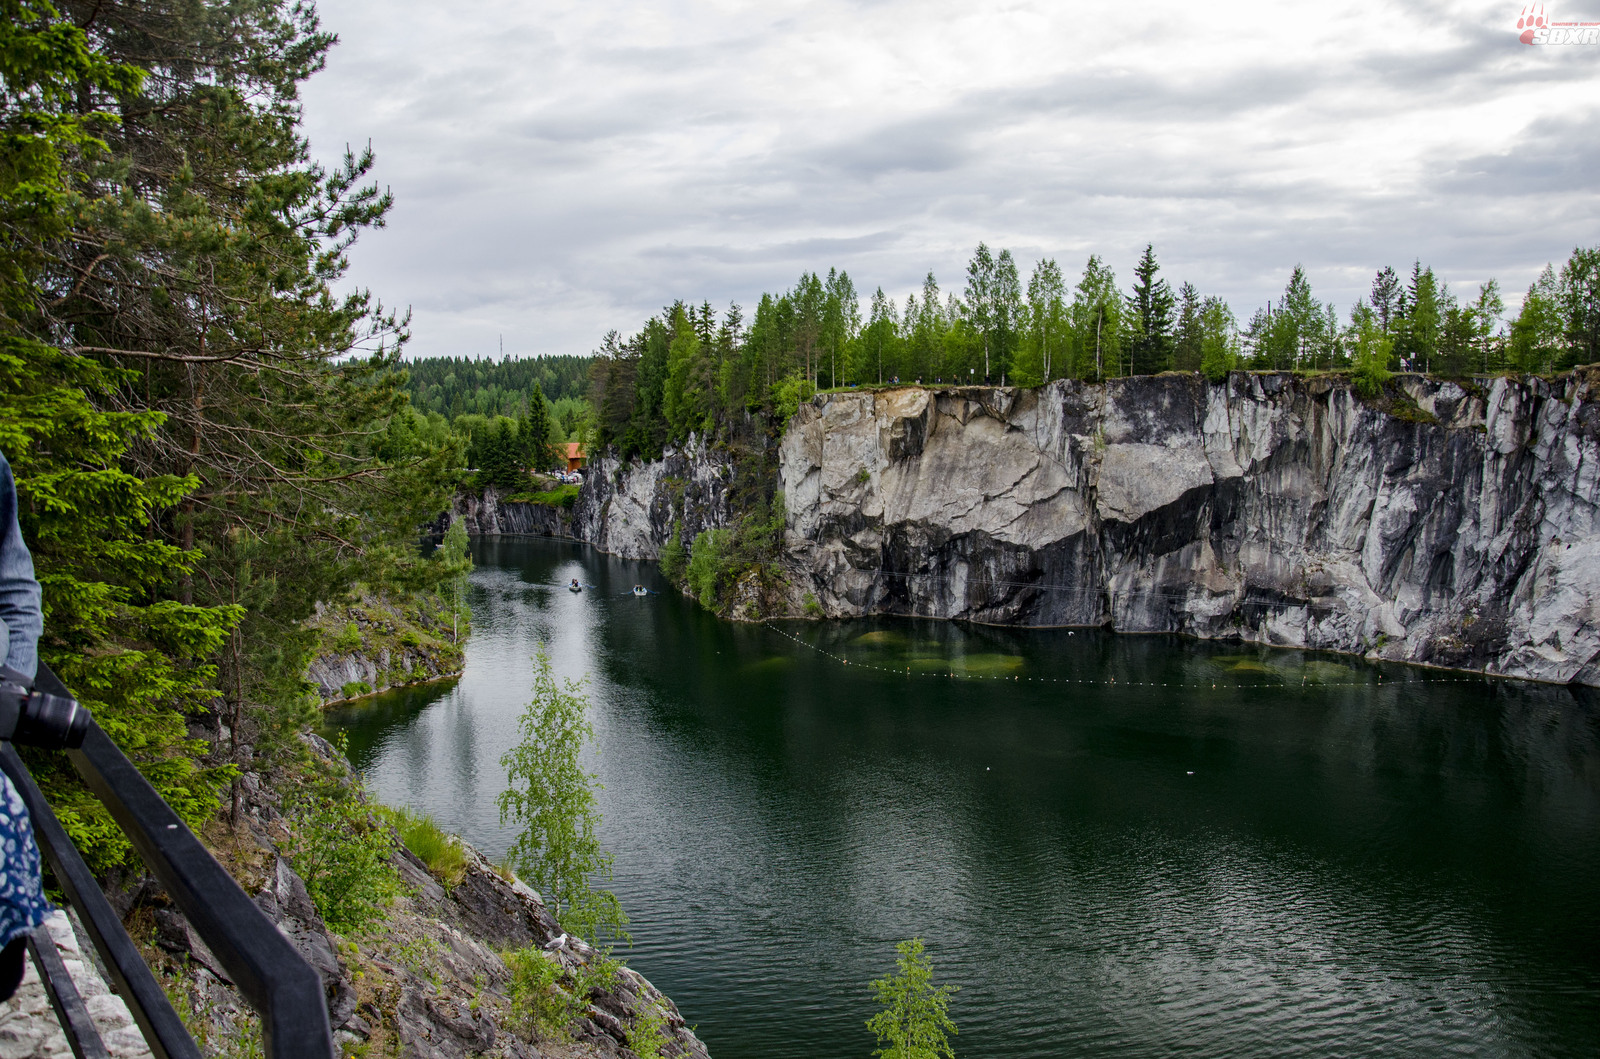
x,y
271,975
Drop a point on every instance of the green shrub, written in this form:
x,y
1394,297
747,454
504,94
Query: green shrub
x,y
545,1000
673,558
538,1002
441,851
1370,377
648,1035
705,565
355,689
349,638
561,496
913,1023
551,795
789,394
813,608
410,639
343,855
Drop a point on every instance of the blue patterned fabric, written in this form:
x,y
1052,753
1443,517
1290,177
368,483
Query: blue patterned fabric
x,y
22,903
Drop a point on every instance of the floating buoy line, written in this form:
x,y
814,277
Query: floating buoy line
x,y
907,671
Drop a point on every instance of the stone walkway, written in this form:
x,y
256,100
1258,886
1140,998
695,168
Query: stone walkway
x,y
28,1027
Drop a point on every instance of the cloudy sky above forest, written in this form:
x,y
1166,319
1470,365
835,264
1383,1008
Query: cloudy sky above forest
x,y
564,168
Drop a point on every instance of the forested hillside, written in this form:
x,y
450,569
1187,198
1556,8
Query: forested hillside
x,y
457,386
208,438
691,370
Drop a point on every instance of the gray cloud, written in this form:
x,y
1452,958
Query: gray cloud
x,y
561,171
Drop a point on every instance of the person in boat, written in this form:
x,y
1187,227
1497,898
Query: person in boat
x,y
640,590
575,586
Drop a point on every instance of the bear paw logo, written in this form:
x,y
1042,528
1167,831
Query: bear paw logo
x,y
1532,19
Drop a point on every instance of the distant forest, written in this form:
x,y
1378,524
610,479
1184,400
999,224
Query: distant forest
x,y
457,386
690,371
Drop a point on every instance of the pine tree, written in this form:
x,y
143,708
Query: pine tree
x,y
1187,351
1580,306
1386,298
1149,318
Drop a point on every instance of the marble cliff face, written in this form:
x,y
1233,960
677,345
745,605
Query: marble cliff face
x,y
1461,531
1451,525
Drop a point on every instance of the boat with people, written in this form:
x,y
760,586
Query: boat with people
x,y
640,590
574,587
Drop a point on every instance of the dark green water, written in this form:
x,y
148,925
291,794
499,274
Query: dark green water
x,y
1277,854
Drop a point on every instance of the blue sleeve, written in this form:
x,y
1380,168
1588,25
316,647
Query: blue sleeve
x,y
21,621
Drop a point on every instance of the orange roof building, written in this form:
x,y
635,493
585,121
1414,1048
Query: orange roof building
x,y
574,452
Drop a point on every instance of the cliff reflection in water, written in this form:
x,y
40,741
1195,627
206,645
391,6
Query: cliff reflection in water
x,y
1276,853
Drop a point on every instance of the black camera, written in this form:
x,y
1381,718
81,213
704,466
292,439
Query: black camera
x,y
53,722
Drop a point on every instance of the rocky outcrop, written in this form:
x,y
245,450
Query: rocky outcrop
x,y
378,642
486,514
1444,524
629,509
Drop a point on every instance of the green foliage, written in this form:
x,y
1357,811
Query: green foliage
x,y
561,496
1149,318
538,1002
354,689
545,1000
138,661
342,854
1301,332
812,607
456,386
914,1023
441,851
551,796
503,450
1371,350
721,557
789,394
648,1035
1219,339
673,556
708,565
349,638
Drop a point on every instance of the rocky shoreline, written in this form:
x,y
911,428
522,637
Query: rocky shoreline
x,y
431,984
374,644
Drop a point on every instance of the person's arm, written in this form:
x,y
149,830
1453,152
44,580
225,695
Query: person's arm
x,y
21,622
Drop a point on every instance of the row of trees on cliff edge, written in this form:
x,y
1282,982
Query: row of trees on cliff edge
x,y
687,370
208,438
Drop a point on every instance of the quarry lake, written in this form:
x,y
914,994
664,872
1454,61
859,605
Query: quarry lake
x,y
1115,845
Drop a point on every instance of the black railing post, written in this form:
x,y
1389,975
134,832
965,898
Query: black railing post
x,y
130,975
270,973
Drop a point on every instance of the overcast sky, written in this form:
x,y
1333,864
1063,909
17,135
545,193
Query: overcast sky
x,y
561,169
